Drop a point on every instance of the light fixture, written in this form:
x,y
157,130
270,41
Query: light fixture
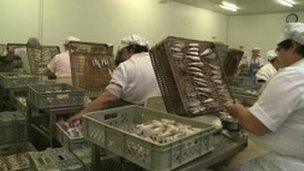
x,y
229,6
288,3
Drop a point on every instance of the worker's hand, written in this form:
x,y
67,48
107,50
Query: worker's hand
x,y
234,109
75,120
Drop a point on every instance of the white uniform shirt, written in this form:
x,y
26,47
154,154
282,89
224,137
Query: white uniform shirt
x,y
266,72
281,109
60,65
134,80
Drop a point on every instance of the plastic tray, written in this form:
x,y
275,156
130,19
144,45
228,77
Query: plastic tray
x,y
45,96
107,129
10,80
91,66
54,159
69,142
176,81
13,127
39,57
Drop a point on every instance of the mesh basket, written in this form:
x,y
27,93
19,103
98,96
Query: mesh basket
x,y
45,96
110,130
92,65
2,49
178,85
39,57
232,61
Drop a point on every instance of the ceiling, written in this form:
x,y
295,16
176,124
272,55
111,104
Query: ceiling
x,y
246,6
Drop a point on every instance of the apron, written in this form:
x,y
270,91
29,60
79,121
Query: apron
x,y
253,69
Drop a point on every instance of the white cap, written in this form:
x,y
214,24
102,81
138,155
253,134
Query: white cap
x,y
71,38
133,39
256,48
293,31
271,55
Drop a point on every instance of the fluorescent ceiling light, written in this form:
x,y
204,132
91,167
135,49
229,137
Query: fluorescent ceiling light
x,y
229,6
288,3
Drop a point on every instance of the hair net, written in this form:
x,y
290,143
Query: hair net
x,y
71,38
133,39
33,41
293,31
271,55
256,48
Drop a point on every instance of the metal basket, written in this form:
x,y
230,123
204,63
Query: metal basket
x,y
232,61
91,66
108,129
176,83
54,159
13,127
45,96
40,56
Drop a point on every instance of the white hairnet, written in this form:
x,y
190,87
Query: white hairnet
x,y
293,31
271,55
133,39
71,38
33,41
256,48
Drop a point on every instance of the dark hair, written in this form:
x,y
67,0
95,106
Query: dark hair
x,y
138,48
287,44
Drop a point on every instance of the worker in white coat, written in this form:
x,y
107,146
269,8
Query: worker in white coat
x,y
60,65
269,70
133,81
256,63
277,118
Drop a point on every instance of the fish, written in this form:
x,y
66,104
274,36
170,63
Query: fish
x,y
193,53
218,81
214,67
193,58
207,52
201,84
202,108
195,69
196,64
193,103
205,90
216,72
194,111
202,80
193,49
198,74
176,49
208,100
193,45
203,94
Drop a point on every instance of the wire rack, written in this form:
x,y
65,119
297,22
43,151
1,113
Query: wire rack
x,y
40,56
171,61
92,65
232,61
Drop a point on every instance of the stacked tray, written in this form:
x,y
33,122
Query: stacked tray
x,y
190,76
91,65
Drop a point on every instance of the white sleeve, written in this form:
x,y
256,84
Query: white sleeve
x,y
118,82
279,99
52,65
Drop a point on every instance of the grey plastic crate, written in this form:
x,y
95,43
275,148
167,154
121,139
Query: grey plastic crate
x,y
69,142
13,127
109,162
106,129
16,80
45,96
58,159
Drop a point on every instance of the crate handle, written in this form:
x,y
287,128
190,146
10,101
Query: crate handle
x,y
110,116
60,157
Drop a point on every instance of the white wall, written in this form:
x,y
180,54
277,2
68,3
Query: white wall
x,y
256,30
107,21
19,20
